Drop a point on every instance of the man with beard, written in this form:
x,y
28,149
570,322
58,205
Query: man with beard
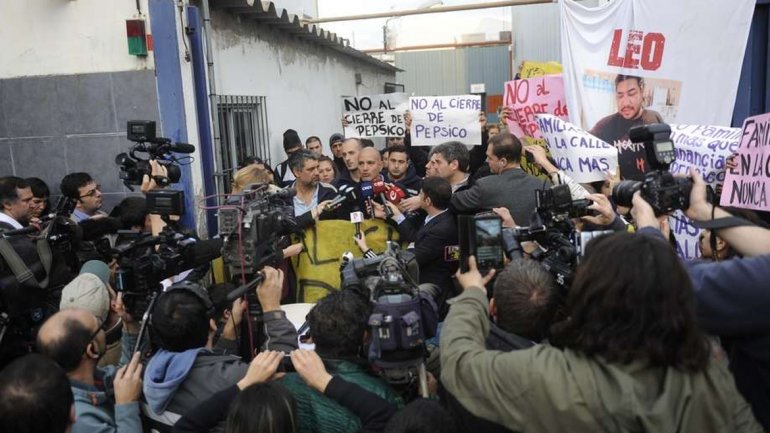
x,y
613,129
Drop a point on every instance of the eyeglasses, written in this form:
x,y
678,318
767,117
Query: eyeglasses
x,y
92,192
102,326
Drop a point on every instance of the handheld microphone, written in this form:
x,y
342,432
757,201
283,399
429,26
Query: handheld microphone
x,y
395,194
380,189
367,192
240,291
345,193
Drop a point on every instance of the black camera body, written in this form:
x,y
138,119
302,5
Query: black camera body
x,y
252,229
660,188
133,168
402,317
556,203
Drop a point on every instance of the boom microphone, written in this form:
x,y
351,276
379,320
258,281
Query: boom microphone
x,y
181,148
95,228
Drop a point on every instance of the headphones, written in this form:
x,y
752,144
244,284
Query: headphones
x,y
196,289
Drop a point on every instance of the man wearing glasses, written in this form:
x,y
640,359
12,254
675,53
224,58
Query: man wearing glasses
x,y
106,399
81,187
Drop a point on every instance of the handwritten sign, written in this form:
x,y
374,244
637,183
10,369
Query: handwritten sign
x,y
438,119
528,98
582,156
705,148
375,115
746,186
538,69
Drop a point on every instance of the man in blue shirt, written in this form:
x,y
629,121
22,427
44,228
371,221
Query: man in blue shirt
x,y
82,188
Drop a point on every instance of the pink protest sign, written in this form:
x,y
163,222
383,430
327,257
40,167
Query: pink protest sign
x,y
526,98
746,185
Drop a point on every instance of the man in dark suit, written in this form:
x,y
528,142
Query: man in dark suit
x,y
432,240
511,188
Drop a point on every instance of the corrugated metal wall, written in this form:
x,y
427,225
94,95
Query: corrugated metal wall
x,y
452,71
536,33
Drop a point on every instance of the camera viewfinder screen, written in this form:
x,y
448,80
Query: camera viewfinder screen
x,y
488,242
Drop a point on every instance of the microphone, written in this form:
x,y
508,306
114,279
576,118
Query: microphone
x,y
181,148
367,192
202,252
287,192
380,189
345,193
240,291
95,228
395,194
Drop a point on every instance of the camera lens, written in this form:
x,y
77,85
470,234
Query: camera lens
x,y
623,192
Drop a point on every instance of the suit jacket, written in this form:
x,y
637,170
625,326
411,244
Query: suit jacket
x,y
430,241
513,189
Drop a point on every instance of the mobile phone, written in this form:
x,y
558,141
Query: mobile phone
x,y
481,235
488,244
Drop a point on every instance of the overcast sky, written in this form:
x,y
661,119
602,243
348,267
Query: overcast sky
x,y
411,30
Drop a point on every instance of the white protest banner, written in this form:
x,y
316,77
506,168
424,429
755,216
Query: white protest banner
x,y
705,148
746,186
375,115
582,156
438,119
634,62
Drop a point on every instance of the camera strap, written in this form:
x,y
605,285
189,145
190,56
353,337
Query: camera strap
x,y
20,269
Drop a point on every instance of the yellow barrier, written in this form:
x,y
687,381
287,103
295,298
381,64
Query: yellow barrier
x,y
318,267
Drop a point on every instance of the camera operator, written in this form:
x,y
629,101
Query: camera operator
x,y
187,369
82,188
630,356
36,397
75,339
732,297
16,197
338,328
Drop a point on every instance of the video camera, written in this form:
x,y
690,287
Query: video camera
x,y
252,229
403,316
142,266
660,188
133,168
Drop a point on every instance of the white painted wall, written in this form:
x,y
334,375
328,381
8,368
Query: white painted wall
x,y
57,37
303,82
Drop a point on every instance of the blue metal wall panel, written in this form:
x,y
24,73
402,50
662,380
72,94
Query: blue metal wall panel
x,y
754,87
170,94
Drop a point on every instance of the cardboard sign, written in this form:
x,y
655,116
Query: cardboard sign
x,y
375,115
582,156
528,98
705,148
747,185
438,119
318,267
538,69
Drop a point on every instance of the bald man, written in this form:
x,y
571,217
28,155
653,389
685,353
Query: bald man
x,y
369,164
350,149
74,338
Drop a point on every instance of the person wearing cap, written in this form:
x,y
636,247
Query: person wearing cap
x,y
291,144
91,291
335,144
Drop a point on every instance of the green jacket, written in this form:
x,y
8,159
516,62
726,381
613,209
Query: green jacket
x,y
545,389
320,414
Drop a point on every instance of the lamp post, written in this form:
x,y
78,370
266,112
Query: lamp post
x,y
426,5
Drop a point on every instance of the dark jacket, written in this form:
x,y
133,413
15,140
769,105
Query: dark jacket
x,y
411,183
417,154
177,382
373,411
733,303
430,248
512,189
283,174
319,413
